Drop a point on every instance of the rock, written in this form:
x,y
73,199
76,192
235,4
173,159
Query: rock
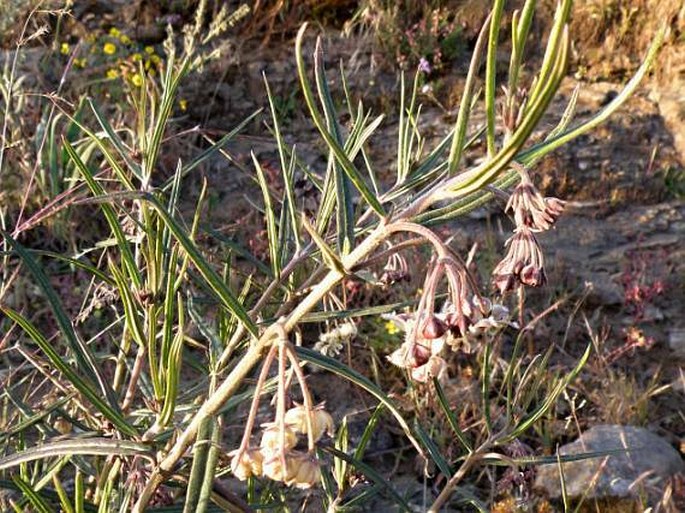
x,y
650,461
676,341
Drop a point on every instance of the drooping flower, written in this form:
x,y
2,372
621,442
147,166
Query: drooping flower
x,y
524,263
530,209
275,442
246,463
322,422
304,470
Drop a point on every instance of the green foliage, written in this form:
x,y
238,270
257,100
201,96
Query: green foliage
x,y
135,413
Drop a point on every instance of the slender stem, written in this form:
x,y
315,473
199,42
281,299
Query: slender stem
x,y
306,396
249,424
133,382
470,461
280,403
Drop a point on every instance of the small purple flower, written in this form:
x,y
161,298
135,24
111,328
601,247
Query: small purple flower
x,y
424,65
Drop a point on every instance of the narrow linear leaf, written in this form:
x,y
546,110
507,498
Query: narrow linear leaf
x,y
270,215
330,258
449,414
215,147
82,446
37,501
320,124
433,451
220,288
372,474
113,415
84,357
342,370
551,397
109,213
114,138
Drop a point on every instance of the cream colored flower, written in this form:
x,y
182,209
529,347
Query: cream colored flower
x,y
272,443
304,471
273,468
322,422
246,463
435,367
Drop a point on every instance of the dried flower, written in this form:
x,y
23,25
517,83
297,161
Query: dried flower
x,y
322,422
331,342
272,441
246,463
304,470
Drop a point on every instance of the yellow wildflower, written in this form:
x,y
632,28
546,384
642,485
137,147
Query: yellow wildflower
x,y
149,50
183,104
80,63
125,39
136,57
114,32
64,48
391,328
109,48
112,73
156,59
137,80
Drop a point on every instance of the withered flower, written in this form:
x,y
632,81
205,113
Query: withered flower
x,y
246,463
272,443
322,422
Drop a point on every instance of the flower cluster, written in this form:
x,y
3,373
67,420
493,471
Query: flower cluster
x,y
279,456
120,55
524,262
466,314
395,270
331,342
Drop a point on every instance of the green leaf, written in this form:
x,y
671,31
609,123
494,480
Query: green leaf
x,y
433,451
111,216
449,414
199,470
270,215
372,475
320,124
550,398
84,358
330,258
345,207
36,500
113,415
116,141
84,446
490,75
215,147
353,376
224,294
465,105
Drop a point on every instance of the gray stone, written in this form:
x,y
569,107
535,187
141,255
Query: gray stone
x,y
648,461
676,341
